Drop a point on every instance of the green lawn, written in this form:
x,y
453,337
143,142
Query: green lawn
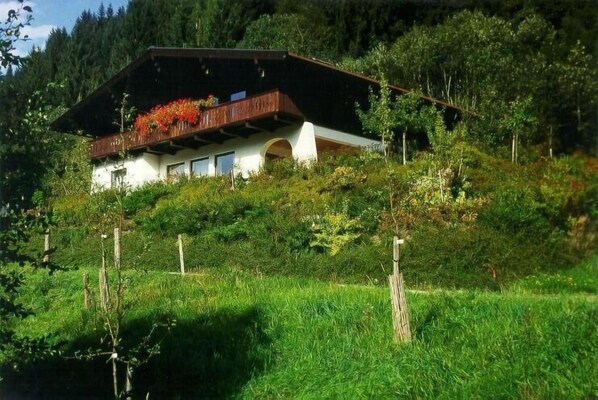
x,y
244,335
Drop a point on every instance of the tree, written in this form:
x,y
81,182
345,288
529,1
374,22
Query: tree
x,y
30,149
292,32
10,33
484,63
518,122
386,114
381,118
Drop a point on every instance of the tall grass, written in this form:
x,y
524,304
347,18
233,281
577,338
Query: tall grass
x,y
245,335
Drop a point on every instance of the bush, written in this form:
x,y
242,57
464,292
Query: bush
x,y
512,210
290,219
145,197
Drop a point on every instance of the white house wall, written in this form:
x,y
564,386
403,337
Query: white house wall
x,y
143,168
249,151
249,154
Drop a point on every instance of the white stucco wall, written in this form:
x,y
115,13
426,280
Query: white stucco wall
x,y
249,154
144,167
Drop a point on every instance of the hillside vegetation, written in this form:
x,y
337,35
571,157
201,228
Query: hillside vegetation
x,y
480,222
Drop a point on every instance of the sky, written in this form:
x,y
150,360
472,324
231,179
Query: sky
x,y
50,14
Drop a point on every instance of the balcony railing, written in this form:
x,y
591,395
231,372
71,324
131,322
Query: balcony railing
x,y
236,113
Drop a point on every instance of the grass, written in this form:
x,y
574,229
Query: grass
x,y
243,335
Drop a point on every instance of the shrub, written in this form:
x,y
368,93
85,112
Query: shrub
x,y
282,168
344,178
335,230
514,210
145,197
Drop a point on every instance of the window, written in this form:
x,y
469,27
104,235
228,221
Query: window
x,y
200,166
238,95
175,169
224,163
117,178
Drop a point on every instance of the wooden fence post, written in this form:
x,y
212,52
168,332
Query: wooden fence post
x,y
46,259
117,248
400,311
86,292
128,381
181,256
103,280
396,255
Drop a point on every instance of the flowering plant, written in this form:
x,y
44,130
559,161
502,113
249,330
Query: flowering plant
x,y
162,117
209,101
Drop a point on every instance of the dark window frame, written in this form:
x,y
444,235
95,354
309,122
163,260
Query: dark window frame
x,y
170,167
217,156
207,158
117,178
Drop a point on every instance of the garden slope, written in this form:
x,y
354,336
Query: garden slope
x,y
493,221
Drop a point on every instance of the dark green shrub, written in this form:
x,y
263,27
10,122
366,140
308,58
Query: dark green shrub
x,y
513,210
233,232
146,196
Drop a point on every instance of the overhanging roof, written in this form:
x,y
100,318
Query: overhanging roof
x,y
161,74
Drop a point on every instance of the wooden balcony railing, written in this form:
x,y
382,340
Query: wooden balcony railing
x,y
264,105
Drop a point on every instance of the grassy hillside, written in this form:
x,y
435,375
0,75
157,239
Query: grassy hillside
x,y
241,334
466,217
287,293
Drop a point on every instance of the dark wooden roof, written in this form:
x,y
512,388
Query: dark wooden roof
x,y
325,94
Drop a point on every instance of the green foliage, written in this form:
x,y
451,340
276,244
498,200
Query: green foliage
x,y
581,279
405,113
463,212
485,63
335,230
11,33
300,34
28,150
146,196
381,118
282,168
71,172
345,178
515,209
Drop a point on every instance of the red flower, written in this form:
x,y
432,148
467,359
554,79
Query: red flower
x,y
162,117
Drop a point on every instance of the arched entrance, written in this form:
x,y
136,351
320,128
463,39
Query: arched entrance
x,y
276,149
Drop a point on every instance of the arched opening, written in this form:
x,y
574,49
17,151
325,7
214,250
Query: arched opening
x,y
277,149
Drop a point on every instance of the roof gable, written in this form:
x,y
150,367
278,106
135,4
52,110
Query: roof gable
x,y
323,92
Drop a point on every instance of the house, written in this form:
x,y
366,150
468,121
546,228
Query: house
x,y
271,104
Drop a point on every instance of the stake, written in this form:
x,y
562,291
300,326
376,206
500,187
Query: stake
x,y
117,248
46,259
128,381
86,292
396,255
404,147
103,280
400,312
550,142
181,256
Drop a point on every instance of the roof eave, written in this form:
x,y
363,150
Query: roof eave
x,y
152,52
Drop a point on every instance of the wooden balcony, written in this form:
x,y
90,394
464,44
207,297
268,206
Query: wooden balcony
x,y
263,112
